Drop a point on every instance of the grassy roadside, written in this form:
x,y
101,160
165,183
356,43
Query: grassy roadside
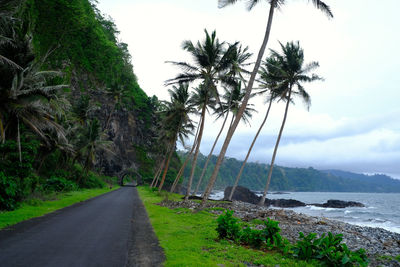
x,y
35,207
189,238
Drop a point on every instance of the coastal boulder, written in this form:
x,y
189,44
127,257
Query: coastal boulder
x,y
246,195
333,203
242,194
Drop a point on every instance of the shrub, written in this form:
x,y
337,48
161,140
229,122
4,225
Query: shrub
x,y
91,181
228,226
59,184
329,249
10,193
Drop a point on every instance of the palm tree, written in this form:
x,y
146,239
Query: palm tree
x,y
176,121
266,86
201,99
212,63
28,101
91,141
288,70
239,58
251,3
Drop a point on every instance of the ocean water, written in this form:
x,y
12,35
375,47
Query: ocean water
x,y
381,209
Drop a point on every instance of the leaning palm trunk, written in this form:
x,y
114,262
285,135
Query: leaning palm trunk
x,y
262,200
212,149
242,107
157,174
182,169
209,156
248,153
167,165
194,162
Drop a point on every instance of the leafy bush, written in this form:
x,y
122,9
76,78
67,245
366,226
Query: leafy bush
x,y
329,249
59,184
228,226
91,181
10,193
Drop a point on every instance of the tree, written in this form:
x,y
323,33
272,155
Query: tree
x,y
289,72
176,122
251,3
239,58
212,63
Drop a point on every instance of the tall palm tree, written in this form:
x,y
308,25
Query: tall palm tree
x,y
289,71
251,3
239,59
201,99
176,122
267,86
212,61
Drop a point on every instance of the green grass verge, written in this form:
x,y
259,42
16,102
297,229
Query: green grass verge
x,y
190,239
35,207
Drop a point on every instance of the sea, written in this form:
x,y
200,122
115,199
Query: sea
x,y
381,209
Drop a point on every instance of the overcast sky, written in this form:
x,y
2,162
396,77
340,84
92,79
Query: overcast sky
x,y
354,121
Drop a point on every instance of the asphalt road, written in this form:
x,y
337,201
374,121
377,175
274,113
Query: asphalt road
x,y
110,230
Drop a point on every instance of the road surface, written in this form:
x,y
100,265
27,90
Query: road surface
x,y
110,230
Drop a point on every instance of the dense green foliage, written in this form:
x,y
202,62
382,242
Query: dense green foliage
x,y
328,249
232,228
52,131
293,179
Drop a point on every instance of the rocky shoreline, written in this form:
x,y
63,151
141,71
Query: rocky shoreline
x,y
381,245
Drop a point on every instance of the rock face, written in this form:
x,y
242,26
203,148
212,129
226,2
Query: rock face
x,y
242,194
123,127
333,203
245,195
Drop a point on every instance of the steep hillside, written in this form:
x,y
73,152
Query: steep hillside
x,y
76,38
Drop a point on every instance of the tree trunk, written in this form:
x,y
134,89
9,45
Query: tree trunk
x,y
182,169
167,165
248,153
209,155
262,200
157,173
194,162
19,141
242,107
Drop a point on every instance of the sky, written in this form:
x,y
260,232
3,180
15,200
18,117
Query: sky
x,y
353,123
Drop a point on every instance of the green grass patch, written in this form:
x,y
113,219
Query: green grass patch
x,y
190,238
35,207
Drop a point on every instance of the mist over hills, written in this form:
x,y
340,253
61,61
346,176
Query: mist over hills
x,y
291,179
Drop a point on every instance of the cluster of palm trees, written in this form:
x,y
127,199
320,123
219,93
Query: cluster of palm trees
x,y
33,102
280,77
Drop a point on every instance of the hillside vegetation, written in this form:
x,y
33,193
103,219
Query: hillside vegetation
x,y
294,179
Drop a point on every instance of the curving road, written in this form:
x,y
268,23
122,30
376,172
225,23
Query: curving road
x,y
109,230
